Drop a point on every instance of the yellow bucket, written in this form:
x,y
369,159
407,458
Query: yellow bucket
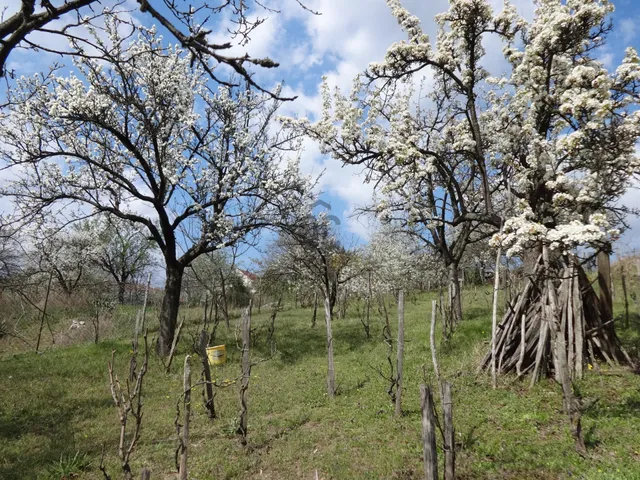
x,y
217,355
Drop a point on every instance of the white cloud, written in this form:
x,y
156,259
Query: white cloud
x,y
628,29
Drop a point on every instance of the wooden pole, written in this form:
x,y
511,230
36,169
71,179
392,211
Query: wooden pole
x,y
184,441
430,457
624,292
176,339
562,370
246,373
432,339
209,404
400,353
604,282
494,320
144,303
449,434
331,372
315,309
44,312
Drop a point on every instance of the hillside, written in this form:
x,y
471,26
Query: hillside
x,y
55,405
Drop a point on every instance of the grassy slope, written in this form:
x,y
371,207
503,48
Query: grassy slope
x,y
58,403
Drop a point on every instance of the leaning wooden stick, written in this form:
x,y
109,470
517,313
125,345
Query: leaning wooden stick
x,y
176,339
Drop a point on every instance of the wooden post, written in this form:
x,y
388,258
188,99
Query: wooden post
x,y
176,339
331,372
432,339
558,337
209,404
246,373
523,338
184,441
145,474
430,457
400,353
604,282
449,434
494,320
44,312
315,309
624,292
144,303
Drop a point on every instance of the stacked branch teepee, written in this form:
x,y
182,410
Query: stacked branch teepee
x,y
524,339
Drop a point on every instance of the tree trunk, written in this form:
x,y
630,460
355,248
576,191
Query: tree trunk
x,y
170,307
455,297
122,288
331,372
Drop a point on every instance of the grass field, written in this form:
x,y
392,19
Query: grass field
x,y
56,412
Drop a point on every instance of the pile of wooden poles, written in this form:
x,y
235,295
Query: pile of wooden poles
x,y
524,339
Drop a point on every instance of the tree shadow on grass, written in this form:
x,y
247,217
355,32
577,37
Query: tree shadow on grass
x,y
628,408
47,430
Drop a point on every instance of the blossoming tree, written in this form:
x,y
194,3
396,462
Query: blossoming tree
x,y
139,135
427,152
539,155
24,25
313,256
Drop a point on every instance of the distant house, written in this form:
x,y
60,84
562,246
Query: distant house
x,y
250,280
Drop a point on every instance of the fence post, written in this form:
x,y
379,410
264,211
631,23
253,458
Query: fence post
x,y
430,457
449,435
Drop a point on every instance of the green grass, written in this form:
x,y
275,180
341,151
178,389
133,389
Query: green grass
x,y
56,405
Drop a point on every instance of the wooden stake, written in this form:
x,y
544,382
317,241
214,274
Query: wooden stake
x,y
400,353
246,373
176,339
604,282
430,457
331,372
523,343
184,441
449,434
494,320
315,309
144,303
209,403
624,292
432,339
44,312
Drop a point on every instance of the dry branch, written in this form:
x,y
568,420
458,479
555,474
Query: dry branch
x,y
128,402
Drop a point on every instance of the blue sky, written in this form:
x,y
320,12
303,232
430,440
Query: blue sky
x,y
339,44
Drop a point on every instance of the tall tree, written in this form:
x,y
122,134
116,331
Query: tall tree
x,y
426,152
140,136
